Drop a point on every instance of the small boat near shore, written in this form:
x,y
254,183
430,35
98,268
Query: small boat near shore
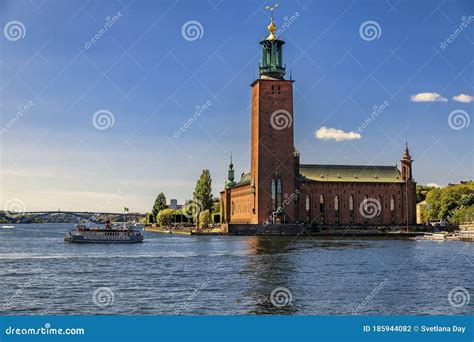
x,y
119,233
437,236
466,232
8,227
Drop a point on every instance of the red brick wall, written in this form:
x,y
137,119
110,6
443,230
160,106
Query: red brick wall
x,y
381,192
272,144
241,204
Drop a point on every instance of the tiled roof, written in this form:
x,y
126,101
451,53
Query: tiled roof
x,y
244,179
351,173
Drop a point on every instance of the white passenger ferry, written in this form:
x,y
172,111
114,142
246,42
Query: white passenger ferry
x,y
120,233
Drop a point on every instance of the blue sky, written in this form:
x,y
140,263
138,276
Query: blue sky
x,y
150,78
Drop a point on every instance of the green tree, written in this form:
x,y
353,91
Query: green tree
x,y
205,218
165,217
463,214
422,191
216,207
203,191
159,205
149,218
446,203
451,198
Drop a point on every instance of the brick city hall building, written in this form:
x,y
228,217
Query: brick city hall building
x,y
278,189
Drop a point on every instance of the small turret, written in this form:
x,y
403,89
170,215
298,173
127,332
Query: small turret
x,y
406,163
230,175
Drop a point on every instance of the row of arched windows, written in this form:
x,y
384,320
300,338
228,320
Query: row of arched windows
x,y
364,205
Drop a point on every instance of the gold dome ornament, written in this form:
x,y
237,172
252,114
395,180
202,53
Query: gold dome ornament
x,y
271,27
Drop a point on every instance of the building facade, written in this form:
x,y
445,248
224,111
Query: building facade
x,y
278,189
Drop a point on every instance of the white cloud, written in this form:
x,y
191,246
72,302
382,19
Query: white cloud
x,y
325,133
428,97
434,185
463,98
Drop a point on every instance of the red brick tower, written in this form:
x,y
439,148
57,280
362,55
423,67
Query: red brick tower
x,y
272,168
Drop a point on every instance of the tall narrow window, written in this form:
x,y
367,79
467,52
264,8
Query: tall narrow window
x,y
336,209
322,210
351,209
273,194
308,208
366,209
278,193
392,209
380,208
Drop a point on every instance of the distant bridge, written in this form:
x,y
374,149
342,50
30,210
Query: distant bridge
x,y
80,214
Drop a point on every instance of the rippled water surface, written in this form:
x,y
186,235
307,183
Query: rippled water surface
x,y
196,275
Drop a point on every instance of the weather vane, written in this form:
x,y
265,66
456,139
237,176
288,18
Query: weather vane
x,y
271,9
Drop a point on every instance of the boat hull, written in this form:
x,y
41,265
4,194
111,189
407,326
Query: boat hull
x,y
82,240
102,237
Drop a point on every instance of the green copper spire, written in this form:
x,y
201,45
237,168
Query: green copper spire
x,y
230,176
272,60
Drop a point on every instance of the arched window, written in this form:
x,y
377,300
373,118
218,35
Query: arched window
x,y
336,209
273,194
322,208
278,193
308,208
392,209
351,209
366,210
380,208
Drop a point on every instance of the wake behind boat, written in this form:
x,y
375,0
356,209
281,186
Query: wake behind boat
x,y
119,233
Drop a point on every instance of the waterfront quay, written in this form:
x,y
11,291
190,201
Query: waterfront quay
x,y
297,230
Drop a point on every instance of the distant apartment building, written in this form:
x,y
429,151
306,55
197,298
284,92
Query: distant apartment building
x,y
173,204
